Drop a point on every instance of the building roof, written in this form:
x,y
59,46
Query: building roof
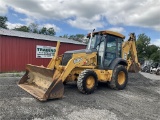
x,y
15,33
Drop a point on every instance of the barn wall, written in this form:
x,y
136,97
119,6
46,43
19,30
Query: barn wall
x,y
0,53
16,52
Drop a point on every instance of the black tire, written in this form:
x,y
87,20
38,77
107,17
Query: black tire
x,y
64,83
83,78
119,78
158,72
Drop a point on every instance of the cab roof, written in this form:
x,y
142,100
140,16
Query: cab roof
x,y
104,32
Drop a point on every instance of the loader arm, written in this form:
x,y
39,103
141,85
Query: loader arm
x,y
129,53
77,60
55,58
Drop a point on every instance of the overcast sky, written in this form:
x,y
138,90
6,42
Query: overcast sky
x,y
82,16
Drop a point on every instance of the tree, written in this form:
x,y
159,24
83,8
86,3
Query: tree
x,y
145,50
77,37
72,37
22,28
3,21
152,49
155,53
51,31
33,28
65,36
142,44
43,31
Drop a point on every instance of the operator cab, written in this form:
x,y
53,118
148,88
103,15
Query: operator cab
x,y
108,45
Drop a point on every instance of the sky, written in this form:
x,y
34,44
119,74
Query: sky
x,y
82,16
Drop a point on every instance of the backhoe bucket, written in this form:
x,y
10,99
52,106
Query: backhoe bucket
x,y
134,68
42,83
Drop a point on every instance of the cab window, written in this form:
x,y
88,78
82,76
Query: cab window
x,y
113,49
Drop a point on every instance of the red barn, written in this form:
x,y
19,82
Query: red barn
x,y
20,48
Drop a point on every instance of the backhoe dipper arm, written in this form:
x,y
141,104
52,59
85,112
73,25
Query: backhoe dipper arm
x,y
129,53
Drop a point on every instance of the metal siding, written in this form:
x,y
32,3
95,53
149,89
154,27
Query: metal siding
x,y
16,52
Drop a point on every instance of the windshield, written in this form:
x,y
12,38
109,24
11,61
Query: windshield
x,y
94,41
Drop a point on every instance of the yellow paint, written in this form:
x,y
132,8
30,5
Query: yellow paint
x,y
130,47
90,82
76,61
56,74
52,63
103,75
121,78
104,32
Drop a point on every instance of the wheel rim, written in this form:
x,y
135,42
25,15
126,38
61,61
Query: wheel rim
x,y
90,82
121,78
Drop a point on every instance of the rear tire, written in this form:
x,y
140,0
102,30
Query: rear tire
x,y
87,81
119,78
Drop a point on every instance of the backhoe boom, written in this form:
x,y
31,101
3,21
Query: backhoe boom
x,y
129,53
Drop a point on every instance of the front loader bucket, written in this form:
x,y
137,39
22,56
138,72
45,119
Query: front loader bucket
x,y
42,83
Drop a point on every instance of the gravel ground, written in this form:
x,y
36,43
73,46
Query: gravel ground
x,y
150,76
139,101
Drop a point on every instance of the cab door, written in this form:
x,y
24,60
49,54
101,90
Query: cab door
x,y
112,50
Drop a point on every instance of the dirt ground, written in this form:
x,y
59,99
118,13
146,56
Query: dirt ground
x,y
139,101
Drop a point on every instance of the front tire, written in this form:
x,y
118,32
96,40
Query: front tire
x,y
119,78
87,81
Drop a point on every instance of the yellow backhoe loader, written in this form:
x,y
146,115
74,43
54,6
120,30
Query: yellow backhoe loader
x,y
107,58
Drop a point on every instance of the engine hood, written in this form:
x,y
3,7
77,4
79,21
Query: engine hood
x,y
68,54
82,51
